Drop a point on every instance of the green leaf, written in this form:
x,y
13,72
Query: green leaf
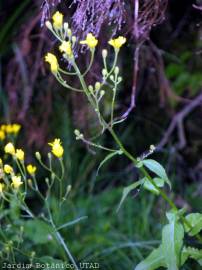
x,y
193,253
109,156
157,168
153,261
195,219
38,231
172,242
149,186
128,189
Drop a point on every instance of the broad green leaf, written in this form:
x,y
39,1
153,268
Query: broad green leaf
x,y
153,261
148,185
172,242
195,219
156,168
193,253
38,231
108,157
128,189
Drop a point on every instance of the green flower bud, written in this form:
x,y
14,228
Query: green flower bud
x,y
97,85
38,155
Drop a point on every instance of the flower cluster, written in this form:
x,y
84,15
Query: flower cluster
x,y
12,177
61,30
9,129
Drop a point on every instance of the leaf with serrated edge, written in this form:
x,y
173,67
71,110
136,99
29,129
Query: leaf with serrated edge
x,y
195,219
193,253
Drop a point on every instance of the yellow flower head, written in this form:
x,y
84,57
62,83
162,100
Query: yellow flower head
x,y
1,188
57,148
2,135
9,148
90,40
57,19
9,128
8,169
16,181
16,128
20,154
31,169
66,48
117,43
52,60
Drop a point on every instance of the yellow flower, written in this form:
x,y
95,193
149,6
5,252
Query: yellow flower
x,y
117,43
16,128
57,19
52,60
31,169
57,148
2,135
20,154
90,40
66,48
1,188
8,169
9,148
9,128
3,127
16,181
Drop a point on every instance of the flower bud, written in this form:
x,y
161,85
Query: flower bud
x,y
73,39
104,72
97,85
48,25
38,155
102,93
111,78
66,26
104,53
69,32
90,88
77,132
116,70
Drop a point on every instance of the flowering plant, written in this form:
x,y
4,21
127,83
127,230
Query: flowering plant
x,y
173,252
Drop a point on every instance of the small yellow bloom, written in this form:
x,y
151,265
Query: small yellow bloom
x,y
57,148
20,154
9,148
3,127
8,169
16,128
31,169
2,135
52,60
117,43
57,19
90,40
16,181
66,48
9,128
1,188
